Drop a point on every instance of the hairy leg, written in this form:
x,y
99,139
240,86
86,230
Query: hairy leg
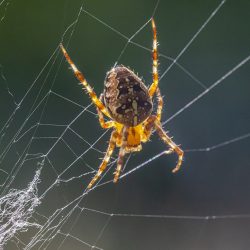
x,y
153,122
85,84
154,85
173,147
106,125
122,152
106,159
160,104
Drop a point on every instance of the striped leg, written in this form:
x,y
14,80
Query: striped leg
x,y
83,81
160,104
105,161
122,152
154,85
106,125
173,147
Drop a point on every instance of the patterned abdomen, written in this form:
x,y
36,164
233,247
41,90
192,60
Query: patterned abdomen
x,y
126,97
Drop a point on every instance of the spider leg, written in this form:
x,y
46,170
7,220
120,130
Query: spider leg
x,y
173,147
154,122
154,85
106,159
106,125
85,84
160,104
122,152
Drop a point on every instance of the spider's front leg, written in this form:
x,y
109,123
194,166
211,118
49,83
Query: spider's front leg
x,y
153,122
106,159
122,153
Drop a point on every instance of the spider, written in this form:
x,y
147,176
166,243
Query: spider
x,y
128,103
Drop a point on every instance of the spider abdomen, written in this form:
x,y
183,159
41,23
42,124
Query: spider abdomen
x,y
126,97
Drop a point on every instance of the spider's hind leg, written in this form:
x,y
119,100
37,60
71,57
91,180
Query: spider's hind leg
x,y
84,82
154,85
160,104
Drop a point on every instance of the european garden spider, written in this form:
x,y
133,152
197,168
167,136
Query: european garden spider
x,y
128,103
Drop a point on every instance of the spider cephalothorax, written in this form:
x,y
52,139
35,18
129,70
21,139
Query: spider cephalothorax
x,y
128,103
126,97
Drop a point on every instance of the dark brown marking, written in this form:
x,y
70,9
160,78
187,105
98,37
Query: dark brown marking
x,y
126,96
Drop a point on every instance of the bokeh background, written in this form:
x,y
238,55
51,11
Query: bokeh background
x,y
210,183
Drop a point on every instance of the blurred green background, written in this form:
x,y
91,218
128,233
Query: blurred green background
x,y
210,183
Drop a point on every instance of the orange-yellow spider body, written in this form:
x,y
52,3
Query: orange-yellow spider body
x,y
128,103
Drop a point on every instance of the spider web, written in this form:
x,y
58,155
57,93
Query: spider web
x,y
51,143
